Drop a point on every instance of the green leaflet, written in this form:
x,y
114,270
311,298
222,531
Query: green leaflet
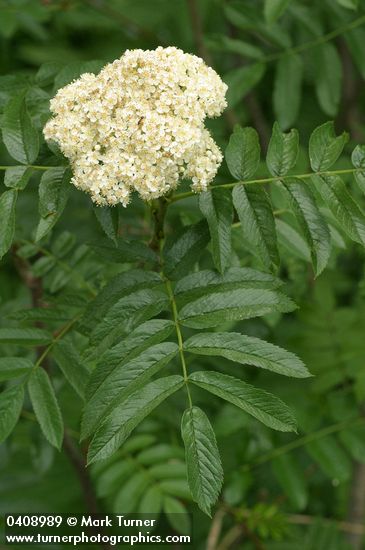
x,y
292,241
124,380
176,487
243,153
17,177
273,9
131,492
331,458
63,244
54,189
8,23
161,453
325,147
169,470
346,211
42,314
25,336
358,160
247,350
27,251
310,220
235,305
11,402
144,336
177,515
205,474
151,502
43,265
288,91
12,367
11,84
184,249
328,80
290,477
108,219
337,239
196,284
353,440
234,45
173,506
122,421
354,39
283,150
47,72
126,314
254,210
243,20
264,406
119,286
60,277
216,206
19,135
46,407
124,252
138,442
241,81
70,363
116,473
349,4
7,217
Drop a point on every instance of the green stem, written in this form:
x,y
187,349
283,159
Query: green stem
x,y
179,337
315,42
308,175
158,209
58,337
314,436
34,166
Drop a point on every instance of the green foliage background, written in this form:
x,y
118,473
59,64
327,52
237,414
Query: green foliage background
x,y
300,63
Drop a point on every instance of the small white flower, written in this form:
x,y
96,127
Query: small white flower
x,y
139,125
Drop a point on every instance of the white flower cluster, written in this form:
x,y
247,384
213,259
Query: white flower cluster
x,y
139,125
